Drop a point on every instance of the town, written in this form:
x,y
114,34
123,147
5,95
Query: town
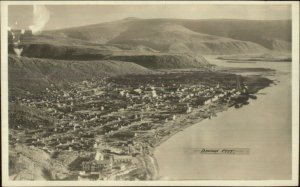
x,y
112,124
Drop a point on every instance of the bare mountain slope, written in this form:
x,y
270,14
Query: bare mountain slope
x,y
178,39
62,48
34,74
215,36
164,61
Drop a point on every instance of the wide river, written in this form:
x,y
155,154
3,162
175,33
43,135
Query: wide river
x,y
263,127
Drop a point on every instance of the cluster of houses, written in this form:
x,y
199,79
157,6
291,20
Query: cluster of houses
x,y
115,112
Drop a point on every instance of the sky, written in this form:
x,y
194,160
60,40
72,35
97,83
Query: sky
x,y
65,16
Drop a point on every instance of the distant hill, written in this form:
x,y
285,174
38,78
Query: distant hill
x,y
133,45
212,36
164,61
56,47
60,48
269,57
262,32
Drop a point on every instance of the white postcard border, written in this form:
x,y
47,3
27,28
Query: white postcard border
x,y
295,103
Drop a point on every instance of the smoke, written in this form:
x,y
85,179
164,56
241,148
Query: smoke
x,y
16,36
18,51
40,18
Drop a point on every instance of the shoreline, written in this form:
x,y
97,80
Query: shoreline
x,y
166,169
194,121
197,121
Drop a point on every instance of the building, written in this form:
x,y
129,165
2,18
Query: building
x,y
189,109
99,156
122,159
97,164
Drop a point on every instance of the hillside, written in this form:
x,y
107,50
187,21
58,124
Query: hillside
x,y
21,116
30,163
261,57
60,48
262,32
158,43
57,47
99,33
33,74
212,36
175,38
164,61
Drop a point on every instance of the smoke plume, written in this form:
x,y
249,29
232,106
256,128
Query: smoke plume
x,y
18,51
40,18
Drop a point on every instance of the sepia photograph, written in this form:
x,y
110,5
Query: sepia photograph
x,y
149,93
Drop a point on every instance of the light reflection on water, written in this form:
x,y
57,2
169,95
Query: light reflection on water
x,y
263,127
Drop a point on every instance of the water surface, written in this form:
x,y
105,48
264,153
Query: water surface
x,y
263,126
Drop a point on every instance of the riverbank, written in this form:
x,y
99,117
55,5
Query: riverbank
x,y
195,121
261,127
182,123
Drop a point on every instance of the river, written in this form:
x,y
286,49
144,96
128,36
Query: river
x,y
263,127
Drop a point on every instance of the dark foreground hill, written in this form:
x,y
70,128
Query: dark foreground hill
x,y
33,74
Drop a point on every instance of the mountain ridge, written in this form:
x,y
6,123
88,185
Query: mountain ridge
x,y
261,32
